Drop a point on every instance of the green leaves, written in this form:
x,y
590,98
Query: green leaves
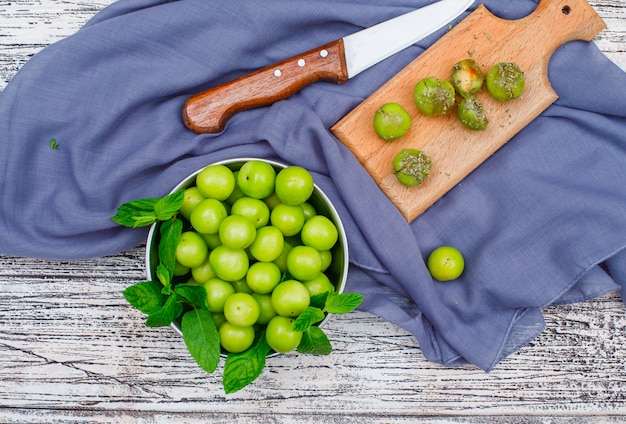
x,y
167,300
165,315
314,340
145,296
243,368
310,316
168,206
201,338
163,309
145,212
171,231
342,303
194,295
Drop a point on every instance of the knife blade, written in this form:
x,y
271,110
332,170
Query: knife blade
x,y
337,61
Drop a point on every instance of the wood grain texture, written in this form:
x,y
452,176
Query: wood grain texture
x,y
73,351
455,150
208,112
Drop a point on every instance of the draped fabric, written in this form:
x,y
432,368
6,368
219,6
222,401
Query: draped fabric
x,y
541,222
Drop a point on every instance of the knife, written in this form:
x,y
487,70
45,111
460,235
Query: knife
x,y
337,62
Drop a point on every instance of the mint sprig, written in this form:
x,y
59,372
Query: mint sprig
x,y
165,302
145,296
342,303
202,339
243,368
166,315
193,295
314,340
145,212
310,316
171,231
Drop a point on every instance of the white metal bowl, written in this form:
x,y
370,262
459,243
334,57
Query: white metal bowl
x,y
338,270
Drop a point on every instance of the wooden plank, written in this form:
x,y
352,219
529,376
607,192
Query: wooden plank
x,y
455,150
69,341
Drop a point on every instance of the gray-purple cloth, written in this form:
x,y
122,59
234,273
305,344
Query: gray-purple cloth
x,y
541,222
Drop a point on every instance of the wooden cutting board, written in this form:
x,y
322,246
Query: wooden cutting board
x,y
456,151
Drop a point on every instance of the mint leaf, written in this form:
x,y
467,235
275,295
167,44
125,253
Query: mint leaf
x,y
145,296
166,207
201,338
139,219
145,212
195,295
165,315
146,204
165,277
342,303
307,318
319,300
243,368
136,213
315,342
171,231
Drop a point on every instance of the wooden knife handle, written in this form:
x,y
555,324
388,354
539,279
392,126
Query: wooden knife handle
x,y
207,112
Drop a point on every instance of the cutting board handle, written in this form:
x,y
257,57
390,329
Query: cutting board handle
x,y
551,24
455,150
557,22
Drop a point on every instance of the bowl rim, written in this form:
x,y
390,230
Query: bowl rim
x,y
185,182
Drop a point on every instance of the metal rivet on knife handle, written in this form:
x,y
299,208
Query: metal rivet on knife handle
x,y
209,111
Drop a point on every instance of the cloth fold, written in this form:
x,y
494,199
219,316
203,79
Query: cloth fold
x,y
541,222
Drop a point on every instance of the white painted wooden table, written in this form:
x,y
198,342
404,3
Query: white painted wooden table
x,y
73,350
